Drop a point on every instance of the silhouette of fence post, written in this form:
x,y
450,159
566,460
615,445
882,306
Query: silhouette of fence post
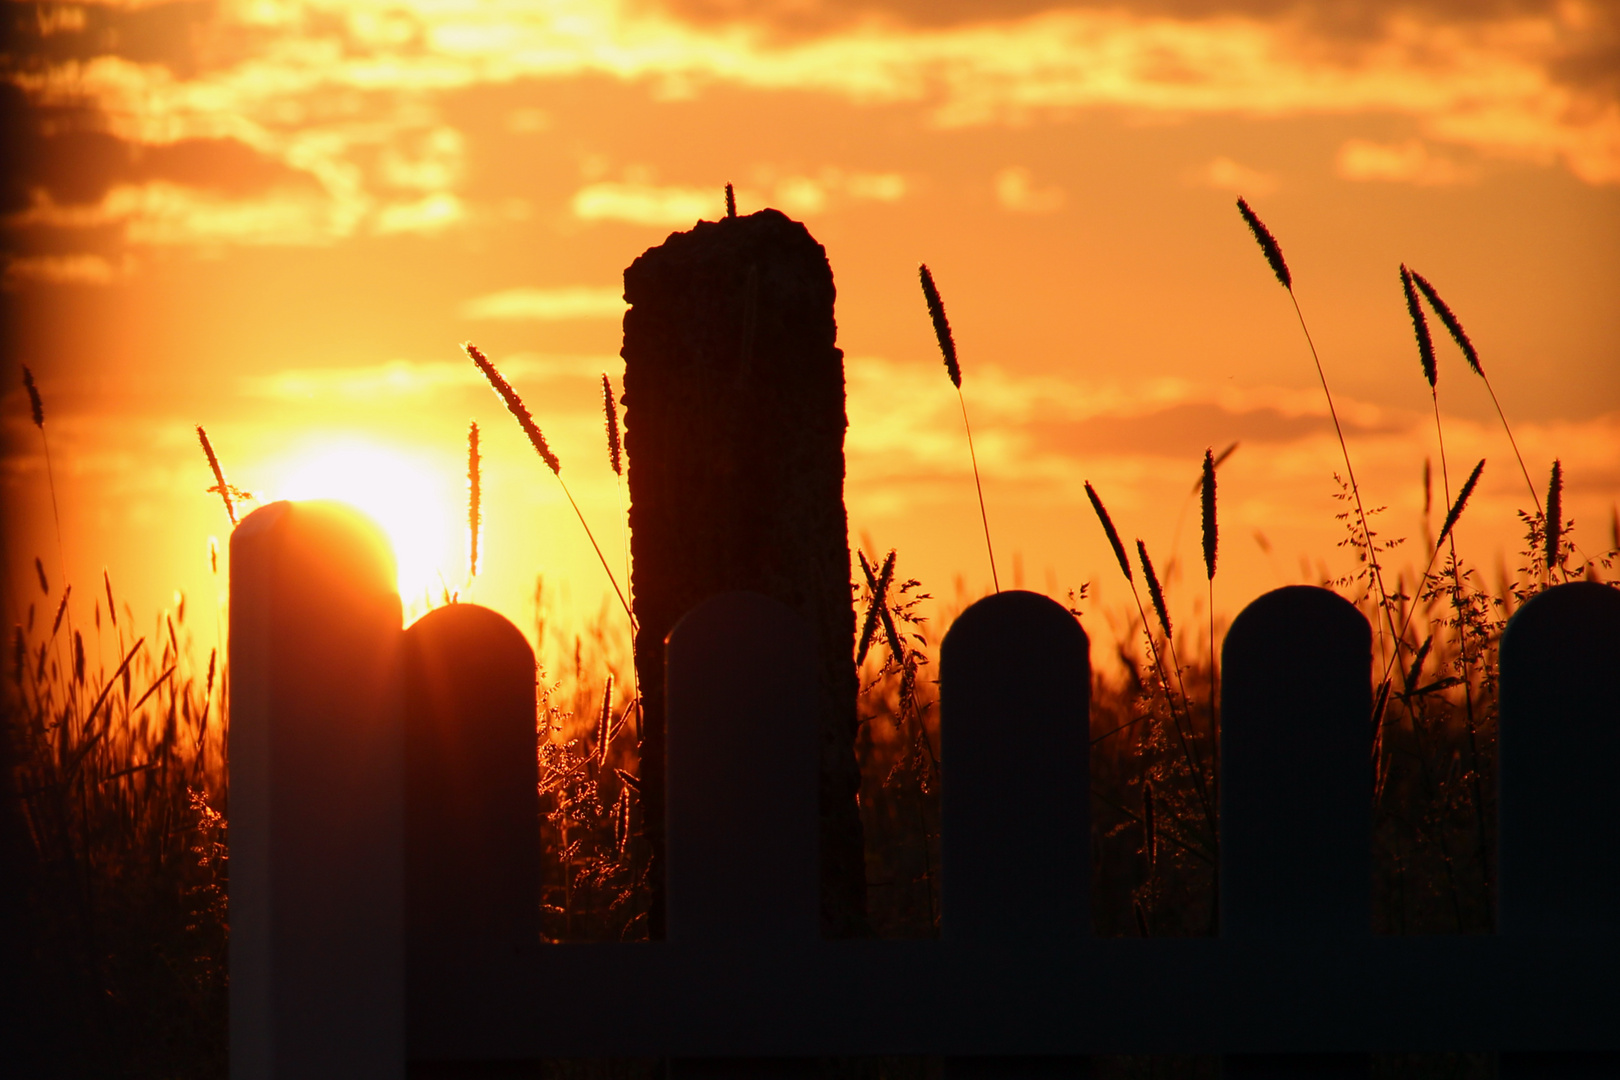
x,y
1296,781
1015,821
472,806
1559,748
743,790
316,954
734,427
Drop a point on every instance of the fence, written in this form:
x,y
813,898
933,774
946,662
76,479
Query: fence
x,y
384,850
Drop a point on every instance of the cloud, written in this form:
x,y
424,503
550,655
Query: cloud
x,y
1224,174
646,204
638,202
1016,191
548,305
1035,428
419,378
344,98
1405,162
1184,430
425,216
878,187
79,269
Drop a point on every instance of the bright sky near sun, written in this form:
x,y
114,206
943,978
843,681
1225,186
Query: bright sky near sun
x,y
278,219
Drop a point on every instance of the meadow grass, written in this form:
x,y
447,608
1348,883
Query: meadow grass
x,y
116,742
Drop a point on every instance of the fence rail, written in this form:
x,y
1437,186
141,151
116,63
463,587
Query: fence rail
x,y
385,848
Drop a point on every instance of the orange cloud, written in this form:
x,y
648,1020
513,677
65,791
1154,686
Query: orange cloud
x,y
345,93
1408,162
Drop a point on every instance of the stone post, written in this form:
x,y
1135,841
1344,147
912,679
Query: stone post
x,y
734,427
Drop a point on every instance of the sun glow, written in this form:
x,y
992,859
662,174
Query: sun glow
x,y
411,497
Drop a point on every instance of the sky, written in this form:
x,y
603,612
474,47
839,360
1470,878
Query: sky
x,y
278,219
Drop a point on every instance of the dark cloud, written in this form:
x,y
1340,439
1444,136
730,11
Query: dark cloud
x,y
61,153
182,36
1337,18
1184,431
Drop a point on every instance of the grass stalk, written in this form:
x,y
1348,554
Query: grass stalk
x,y
947,349
1273,253
1193,764
525,419
1455,328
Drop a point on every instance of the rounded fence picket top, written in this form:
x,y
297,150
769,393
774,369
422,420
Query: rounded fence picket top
x,y
1296,768
1559,747
1015,823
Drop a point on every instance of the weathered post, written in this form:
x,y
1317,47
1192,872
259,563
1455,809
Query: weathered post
x,y
316,911
1296,781
1015,820
472,805
1558,748
734,420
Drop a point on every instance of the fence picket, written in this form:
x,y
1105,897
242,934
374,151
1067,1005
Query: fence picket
x,y
316,899
1015,822
1015,697
472,858
1558,748
1296,780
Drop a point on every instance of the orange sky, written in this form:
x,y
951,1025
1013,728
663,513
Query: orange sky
x,y
278,219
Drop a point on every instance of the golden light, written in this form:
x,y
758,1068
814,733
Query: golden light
x,y
414,499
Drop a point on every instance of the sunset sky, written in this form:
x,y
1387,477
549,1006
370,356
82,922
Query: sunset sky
x,y
278,219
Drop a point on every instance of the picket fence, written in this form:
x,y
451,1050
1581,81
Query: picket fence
x,y
384,850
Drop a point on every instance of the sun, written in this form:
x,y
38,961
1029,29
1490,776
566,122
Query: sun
x,y
409,495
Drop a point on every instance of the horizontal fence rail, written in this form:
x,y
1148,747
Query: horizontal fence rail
x,y
385,849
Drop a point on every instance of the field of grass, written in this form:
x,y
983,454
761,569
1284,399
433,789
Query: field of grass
x,y
115,741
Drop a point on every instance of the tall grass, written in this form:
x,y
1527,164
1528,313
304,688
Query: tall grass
x,y
115,754
116,746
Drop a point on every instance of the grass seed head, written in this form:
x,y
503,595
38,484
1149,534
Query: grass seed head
x,y
1207,499
1451,323
515,406
1457,507
731,202
220,485
1268,245
604,723
610,412
1112,533
44,582
869,623
475,498
61,610
1154,589
35,406
78,658
942,326
1420,327
1555,513
897,647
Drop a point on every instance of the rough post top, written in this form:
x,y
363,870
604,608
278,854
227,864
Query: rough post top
x,y
724,240
719,255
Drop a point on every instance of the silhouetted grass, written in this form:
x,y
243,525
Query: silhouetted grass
x,y
116,784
